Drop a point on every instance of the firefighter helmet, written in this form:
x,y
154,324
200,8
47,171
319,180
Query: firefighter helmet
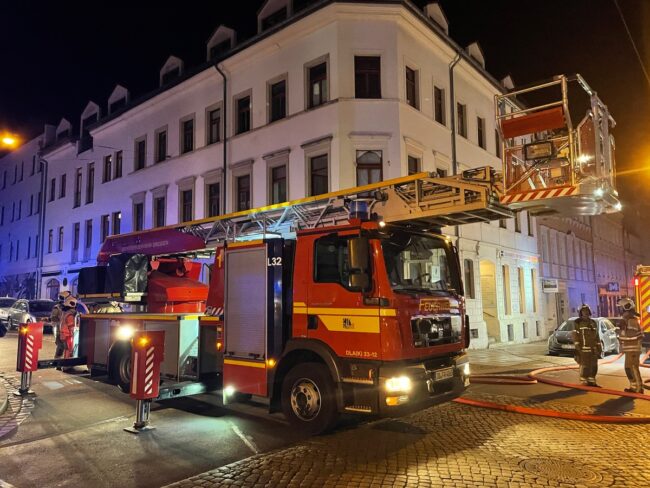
x,y
63,295
627,304
586,308
70,301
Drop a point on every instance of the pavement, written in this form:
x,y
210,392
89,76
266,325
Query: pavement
x,y
459,445
4,399
71,435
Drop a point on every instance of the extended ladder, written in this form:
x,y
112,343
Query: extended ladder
x,y
423,200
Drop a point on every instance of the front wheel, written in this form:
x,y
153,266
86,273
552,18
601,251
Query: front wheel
x,y
602,351
309,399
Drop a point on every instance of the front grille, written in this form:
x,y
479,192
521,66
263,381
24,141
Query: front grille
x,y
435,330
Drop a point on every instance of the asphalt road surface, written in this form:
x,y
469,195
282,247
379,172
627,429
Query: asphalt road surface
x,y
73,435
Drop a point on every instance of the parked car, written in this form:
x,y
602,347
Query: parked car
x,y
5,305
25,311
561,340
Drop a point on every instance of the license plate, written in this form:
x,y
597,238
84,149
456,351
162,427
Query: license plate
x,y
444,374
568,346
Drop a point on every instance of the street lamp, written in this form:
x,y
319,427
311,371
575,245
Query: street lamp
x,y
9,141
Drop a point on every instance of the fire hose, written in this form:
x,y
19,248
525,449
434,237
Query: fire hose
x,y
534,378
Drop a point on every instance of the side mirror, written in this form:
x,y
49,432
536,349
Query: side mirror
x,y
358,256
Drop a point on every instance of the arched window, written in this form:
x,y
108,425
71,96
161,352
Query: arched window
x,y
73,286
53,288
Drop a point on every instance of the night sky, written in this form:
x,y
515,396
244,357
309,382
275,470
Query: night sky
x,y
56,56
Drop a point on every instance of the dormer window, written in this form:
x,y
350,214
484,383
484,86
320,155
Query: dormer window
x,y
221,48
476,53
272,13
88,121
63,134
63,130
436,14
172,69
274,19
118,99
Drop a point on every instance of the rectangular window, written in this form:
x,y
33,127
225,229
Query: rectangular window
x,y
522,290
59,246
413,165
36,250
369,167
17,249
517,222
22,171
75,236
39,201
278,100
442,173
159,210
138,216
214,126
318,175
469,279
90,184
187,142
107,172
89,233
412,87
20,209
214,199
31,173
367,77
480,131
243,115
279,184
50,240
505,269
187,200
503,223
317,89
439,105
530,224
140,154
31,206
461,122
118,164
243,192
52,190
77,189
161,146
533,279
62,185
117,221
105,229
331,261
29,247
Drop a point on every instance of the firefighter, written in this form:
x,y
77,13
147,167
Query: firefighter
x,y
69,326
587,346
630,338
55,319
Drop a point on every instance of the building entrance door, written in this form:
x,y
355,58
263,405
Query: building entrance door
x,y
489,299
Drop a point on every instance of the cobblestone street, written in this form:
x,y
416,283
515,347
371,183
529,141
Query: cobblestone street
x,y
452,445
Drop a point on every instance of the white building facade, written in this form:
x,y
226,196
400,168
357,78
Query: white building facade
x,y
326,98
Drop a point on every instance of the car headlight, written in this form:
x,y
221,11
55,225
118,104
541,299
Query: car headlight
x,y
125,332
4,313
398,384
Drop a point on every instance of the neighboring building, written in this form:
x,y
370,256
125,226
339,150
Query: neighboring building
x,y
610,263
567,267
347,94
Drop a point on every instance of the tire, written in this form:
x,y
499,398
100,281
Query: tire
x,y
119,365
10,324
309,398
617,348
602,351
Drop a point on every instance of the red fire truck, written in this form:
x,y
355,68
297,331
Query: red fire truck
x,y
350,301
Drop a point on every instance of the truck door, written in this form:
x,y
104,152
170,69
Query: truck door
x,y
336,314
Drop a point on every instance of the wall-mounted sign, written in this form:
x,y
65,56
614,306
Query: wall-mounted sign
x,y
613,286
550,285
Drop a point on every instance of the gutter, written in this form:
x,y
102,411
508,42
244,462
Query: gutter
x,y
225,136
452,110
41,229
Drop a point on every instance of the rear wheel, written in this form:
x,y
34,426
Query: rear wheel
x,y
119,365
309,399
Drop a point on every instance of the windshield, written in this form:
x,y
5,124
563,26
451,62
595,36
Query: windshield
x,y
41,306
567,326
417,262
6,302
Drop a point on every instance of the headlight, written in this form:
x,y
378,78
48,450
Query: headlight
x,y
125,332
398,383
3,313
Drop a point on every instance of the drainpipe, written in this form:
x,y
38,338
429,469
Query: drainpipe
x,y
225,135
41,225
452,110
452,100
